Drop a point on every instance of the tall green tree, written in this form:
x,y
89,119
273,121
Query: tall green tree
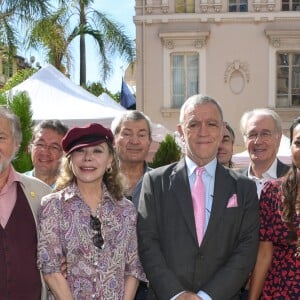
x,y
78,19
15,14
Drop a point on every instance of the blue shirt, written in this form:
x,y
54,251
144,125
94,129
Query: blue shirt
x,y
208,178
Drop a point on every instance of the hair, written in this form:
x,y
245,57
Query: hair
x,y
260,112
132,115
55,125
112,178
290,184
14,122
197,100
231,132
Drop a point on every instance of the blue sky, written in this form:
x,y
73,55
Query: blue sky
x,y
121,11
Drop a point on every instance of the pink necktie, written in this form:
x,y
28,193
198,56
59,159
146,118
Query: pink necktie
x,y
198,196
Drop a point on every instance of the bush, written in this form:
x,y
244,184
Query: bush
x,y
168,152
21,106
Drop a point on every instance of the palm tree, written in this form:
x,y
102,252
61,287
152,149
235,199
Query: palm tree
x,y
110,37
14,13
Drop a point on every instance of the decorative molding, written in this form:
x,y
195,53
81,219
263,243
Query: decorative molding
x,y
149,6
237,65
164,6
207,6
283,38
196,39
263,5
169,44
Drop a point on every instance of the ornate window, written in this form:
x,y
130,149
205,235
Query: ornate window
x,y
288,79
291,5
238,6
185,6
185,76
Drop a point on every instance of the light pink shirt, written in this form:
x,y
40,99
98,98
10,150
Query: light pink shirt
x,y
8,196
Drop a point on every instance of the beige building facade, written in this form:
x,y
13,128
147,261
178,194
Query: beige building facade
x,y
245,54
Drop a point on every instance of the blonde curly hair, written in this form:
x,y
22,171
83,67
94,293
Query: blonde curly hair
x,y
112,177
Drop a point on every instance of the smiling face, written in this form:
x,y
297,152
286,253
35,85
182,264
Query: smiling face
x,y
262,140
46,152
295,146
133,141
90,163
225,149
201,132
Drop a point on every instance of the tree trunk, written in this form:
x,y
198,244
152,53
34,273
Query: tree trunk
x,y
82,79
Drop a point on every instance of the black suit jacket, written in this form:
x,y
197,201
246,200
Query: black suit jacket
x,y
282,169
168,246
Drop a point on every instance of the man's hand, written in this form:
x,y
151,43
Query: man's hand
x,y
188,296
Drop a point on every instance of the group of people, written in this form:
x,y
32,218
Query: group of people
x,y
110,227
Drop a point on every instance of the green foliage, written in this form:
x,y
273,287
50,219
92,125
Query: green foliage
x,y
20,104
96,88
168,152
17,78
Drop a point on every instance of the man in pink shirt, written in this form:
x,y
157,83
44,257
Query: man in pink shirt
x,y
20,197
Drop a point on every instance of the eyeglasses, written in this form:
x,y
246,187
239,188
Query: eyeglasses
x,y
264,135
96,226
53,148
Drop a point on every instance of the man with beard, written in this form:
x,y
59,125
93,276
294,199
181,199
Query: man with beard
x,y
132,133
20,197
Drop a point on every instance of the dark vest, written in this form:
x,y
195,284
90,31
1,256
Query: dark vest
x,y
19,275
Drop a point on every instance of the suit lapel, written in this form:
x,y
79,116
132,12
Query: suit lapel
x,y
223,190
181,188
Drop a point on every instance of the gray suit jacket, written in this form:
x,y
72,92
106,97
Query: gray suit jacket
x,y
167,238
34,189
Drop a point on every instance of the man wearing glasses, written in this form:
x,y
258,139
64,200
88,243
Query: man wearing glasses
x,y
262,131
46,150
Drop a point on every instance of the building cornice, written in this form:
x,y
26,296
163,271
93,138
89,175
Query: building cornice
x,y
236,17
191,38
279,38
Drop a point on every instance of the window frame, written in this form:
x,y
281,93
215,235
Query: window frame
x,y
237,4
186,70
290,66
290,5
185,6
186,42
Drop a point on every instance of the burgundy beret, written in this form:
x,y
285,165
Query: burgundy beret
x,y
90,135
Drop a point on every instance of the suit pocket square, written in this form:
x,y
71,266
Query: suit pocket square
x,y
232,202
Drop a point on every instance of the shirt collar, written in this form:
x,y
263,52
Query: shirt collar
x,y
72,192
210,168
271,173
13,175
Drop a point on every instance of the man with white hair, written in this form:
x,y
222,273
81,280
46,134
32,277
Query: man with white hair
x,y
20,197
262,131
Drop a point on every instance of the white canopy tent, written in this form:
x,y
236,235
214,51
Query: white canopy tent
x,y
54,96
242,159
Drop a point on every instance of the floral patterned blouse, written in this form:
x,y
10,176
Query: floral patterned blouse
x,y
283,278
64,231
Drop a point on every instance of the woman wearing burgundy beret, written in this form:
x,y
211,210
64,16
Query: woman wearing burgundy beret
x,y
88,222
